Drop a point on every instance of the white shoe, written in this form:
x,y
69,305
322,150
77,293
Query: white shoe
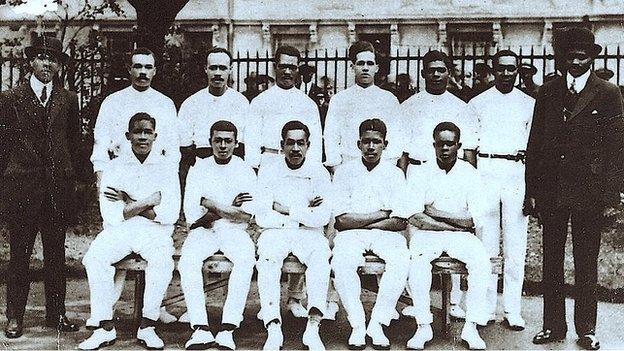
x,y
375,331
471,336
457,312
311,337
357,340
331,310
200,340
409,311
100,338
423,334
166,317
297,309
275,338
184,318
224,339
149,339
514,322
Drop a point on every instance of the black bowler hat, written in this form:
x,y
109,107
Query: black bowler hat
x,y
49,45
604,73
580,38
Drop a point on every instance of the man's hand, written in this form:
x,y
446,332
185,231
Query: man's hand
x,y
154,199
113,195
241,198
277,207
317,201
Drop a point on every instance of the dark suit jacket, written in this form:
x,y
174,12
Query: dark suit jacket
x,y
579,163
38,151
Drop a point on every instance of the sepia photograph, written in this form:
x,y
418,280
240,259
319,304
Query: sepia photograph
x,y
311,174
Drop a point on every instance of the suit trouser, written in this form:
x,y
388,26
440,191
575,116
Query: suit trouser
x,y
311,248
349,249
202,243
504,218
586,245
149,239
425,246
23,231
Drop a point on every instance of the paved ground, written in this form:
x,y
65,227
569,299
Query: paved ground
x,y
252,335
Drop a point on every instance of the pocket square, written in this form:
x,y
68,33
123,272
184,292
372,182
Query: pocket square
x,y
594,112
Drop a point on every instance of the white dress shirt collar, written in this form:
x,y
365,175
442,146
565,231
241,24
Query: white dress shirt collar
x,y
579,82
37,86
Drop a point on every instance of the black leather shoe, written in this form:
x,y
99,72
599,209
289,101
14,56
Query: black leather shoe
x,y
14,329
62,323
588,342
548,335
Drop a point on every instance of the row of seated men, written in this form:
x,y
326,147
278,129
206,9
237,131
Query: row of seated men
x,y
437,206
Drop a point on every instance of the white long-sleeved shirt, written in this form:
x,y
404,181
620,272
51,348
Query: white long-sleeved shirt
x,y
358,190
424,111
219,183
460,191
201,110
504,120
271,110
140,180
112,124
37,86
294,188
347,110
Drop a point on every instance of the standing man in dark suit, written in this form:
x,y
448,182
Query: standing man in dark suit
x,y
574,172
40,132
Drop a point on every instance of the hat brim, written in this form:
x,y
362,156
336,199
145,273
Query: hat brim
x,y
32,51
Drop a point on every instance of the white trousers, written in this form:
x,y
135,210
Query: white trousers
x,y
348,255
202,243
425,246
149,239
504,218
311,248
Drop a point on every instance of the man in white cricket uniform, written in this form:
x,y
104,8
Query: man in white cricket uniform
x,y
504,115
367,194
219,203
139,202
295,192
363,100
276,106
211,104
422,113
446,207
117,108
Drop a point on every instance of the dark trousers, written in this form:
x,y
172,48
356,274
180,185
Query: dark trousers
x,y
586,229
22,231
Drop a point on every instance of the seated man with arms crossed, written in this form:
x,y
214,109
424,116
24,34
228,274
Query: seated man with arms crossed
x,y
294,210
366,190
445,202
218,202
139,203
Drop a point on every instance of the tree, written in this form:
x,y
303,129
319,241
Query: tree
x,y
154,18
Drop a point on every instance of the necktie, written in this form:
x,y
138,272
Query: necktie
x,y
44,95
573,87
569,102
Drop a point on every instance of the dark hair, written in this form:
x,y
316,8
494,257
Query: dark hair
x,y
295,125
450,126
138,117
287,50
140,51
373,124
436,55
504,53
223,126
216,50
360,46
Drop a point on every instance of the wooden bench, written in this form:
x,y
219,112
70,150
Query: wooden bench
x,y
218,263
